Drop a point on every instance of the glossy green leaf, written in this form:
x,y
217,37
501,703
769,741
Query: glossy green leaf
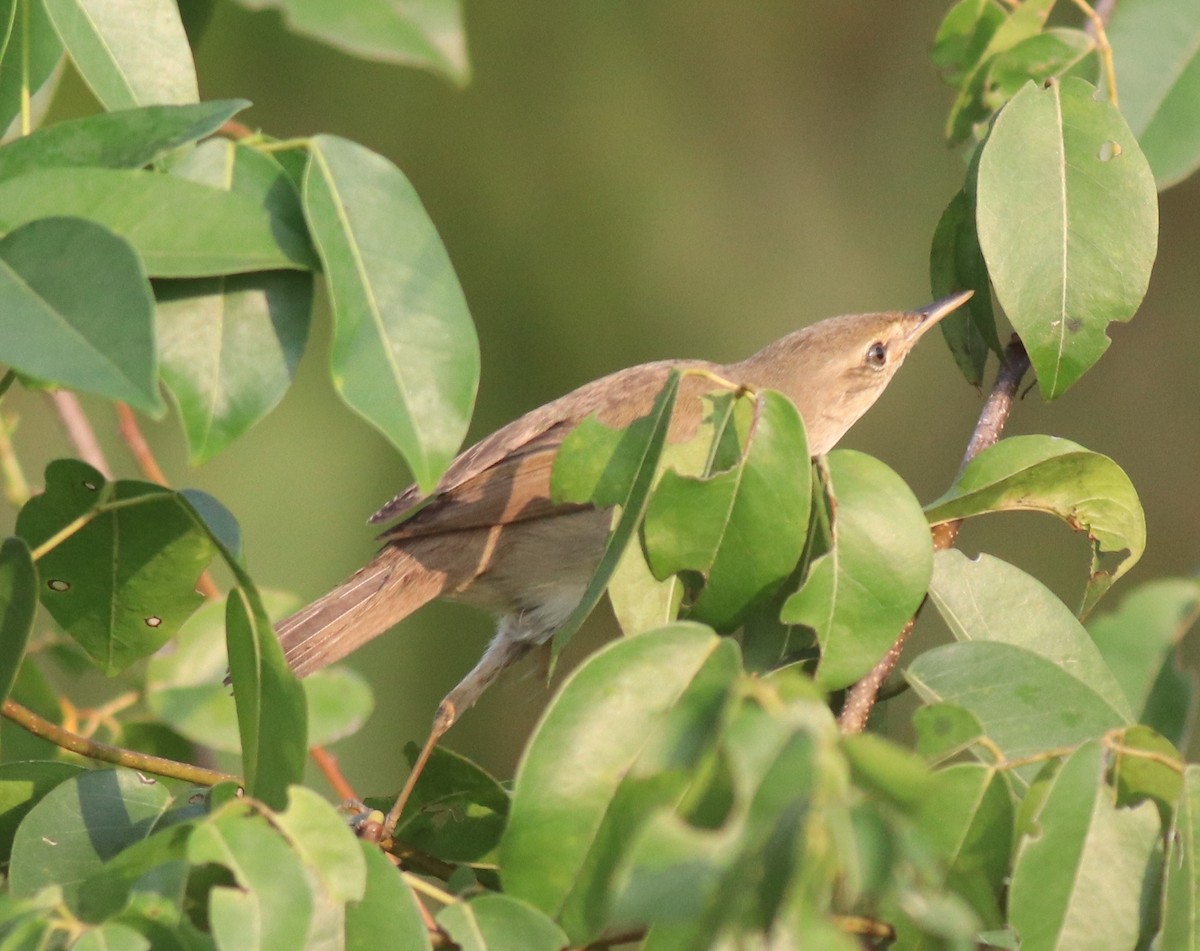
x,y
1025,703
123,582
1077,883
428,35
457,811
76,309
859,595
22,786
608,468
37,35
1181,908
615,745
272,714
128,138
405,355
1050,54
81,824
1146,765
945,730
1156,51
130,54
955,264
969,818
229,348
500,923
972,35
978,598
1068,222
272,906
1090,492
1141,636
229,345
325,844
741,528
388,918
179,228
18,605
197,705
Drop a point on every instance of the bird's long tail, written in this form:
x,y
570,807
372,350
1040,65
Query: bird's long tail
x,y
393,585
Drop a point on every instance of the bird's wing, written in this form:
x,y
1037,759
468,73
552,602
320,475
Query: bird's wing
x,y
506,477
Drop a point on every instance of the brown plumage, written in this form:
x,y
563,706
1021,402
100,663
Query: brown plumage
x,y
489,535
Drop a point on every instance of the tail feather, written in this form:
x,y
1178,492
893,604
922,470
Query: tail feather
x,y
388,589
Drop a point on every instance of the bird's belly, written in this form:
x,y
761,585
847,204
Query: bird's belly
x,y
540,570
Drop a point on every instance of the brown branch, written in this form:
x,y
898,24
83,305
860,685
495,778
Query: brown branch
x,y
327,763
65,739
860,700
79,431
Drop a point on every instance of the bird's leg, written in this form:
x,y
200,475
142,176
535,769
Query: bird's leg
x,y
506,648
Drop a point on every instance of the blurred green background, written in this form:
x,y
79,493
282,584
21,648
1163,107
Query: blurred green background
x,y
625,181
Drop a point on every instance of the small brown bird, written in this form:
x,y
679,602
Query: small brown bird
x,y
490,535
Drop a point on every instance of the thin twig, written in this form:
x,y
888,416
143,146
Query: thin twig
x,y
1096,26
65,739
860,700
79,431
327,763
16,486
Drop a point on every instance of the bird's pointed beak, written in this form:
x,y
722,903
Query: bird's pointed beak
x,y
930,314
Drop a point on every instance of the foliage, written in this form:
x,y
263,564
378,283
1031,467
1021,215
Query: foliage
x,y
693,789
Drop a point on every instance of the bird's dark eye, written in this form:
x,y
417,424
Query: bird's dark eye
x,y
877,355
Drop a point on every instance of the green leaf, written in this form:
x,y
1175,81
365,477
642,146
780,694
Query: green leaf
x,y
229,348
1068,223
76,309
1025,703
979,597
81,824
743,527
428,34
123,582
325,844
184,688
962,37
36,34
405,355
1047,55
111,936
272,715
1143,633
272,906
457,811
229,345
1078,882
1090,492
860,594
1181,909
956,263
500,923
615,745
129,138
22,786
130,54
18,605
1146,765
179,228
1156,51
388,918
945,730
969,819
609,468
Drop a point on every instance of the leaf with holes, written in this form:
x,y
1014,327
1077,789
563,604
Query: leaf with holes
x,y
124,581
1068,222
